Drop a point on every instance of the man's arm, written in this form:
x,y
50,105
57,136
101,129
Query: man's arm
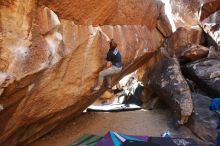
x,y
108,64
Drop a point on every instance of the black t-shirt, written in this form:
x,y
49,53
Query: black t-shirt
x,y
114,56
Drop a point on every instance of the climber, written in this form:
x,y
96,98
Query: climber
x,y
113,65
215,106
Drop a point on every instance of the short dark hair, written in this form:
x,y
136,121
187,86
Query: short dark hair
x,y
112,44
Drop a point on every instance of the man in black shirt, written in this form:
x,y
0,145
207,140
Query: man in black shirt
x,y
113,66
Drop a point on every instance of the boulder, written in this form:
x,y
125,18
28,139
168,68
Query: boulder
x,y
182,37
50,59
211,23
195,52
212,36
166,80
203,122
206,74
185,13
208,8
205,13
162,25
191,13
109,12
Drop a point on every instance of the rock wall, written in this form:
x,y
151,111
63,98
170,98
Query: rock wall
x,y
113,12
206,73
189,13
203,72
208,8
185,12
183,37
51,53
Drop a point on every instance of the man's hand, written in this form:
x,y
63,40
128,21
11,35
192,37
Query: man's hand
x,y
108,64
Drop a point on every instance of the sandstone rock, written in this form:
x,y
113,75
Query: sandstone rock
x,y
166,80
206,74
195,52
209,16
113,12
185,13
49,64
109,12
213,37
15,28
203,122
198,12
191,13
48,20
208,8
162,25
214,53
179,40
210,12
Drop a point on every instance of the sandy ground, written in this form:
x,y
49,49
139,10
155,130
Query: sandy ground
x,y
142,122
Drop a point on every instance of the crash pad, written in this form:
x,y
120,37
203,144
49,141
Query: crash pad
x,y
86,140
113,107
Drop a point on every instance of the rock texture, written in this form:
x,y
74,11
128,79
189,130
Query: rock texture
x,y
190,13
50,59
203,122
206,74
210,19
209,8
114,12
212,36
185,12
205,13
179,41
195,52
166,80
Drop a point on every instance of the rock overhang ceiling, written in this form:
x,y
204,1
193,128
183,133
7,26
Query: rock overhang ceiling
x,y
106,12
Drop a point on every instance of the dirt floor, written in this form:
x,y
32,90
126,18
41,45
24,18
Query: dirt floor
x,y
142,122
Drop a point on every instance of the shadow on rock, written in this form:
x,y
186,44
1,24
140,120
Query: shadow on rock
x,y
206,74
203,122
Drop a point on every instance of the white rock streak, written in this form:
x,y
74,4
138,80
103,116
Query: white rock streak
x,y
54,39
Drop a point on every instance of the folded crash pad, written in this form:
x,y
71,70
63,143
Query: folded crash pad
x,y
116,139
86,140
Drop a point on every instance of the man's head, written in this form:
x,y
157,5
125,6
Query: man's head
x,y
112,44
